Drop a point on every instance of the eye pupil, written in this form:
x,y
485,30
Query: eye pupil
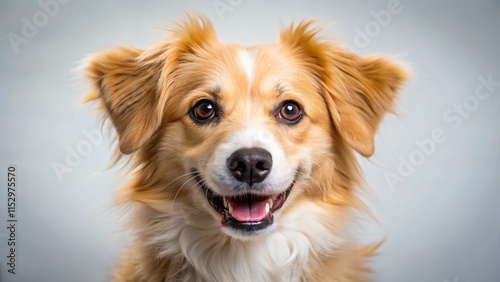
x,y
290,112
204,110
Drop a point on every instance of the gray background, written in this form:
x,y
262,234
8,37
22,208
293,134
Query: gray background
x,y
441,224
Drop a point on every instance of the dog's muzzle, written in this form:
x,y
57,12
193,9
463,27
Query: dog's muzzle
x,y
250,210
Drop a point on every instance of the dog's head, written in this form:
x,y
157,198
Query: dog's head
x,y
243,134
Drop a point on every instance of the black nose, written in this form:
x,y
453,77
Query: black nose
x,y
250,165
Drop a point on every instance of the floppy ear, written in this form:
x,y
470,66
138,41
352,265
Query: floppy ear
x,y
362,98
133,85
357,90
127,88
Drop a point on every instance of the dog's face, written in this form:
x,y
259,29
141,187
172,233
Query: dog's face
x,y
245,134
249,128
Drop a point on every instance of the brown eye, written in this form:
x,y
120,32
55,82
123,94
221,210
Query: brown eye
x,y
290,112
203,111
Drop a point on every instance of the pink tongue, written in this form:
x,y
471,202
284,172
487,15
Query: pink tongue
x,y
254,210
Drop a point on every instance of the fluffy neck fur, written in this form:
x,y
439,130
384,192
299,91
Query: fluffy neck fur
x,y
290,253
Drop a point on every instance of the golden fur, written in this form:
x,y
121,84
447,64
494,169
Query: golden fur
x,y
147,95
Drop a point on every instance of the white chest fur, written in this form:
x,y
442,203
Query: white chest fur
x,y
282,255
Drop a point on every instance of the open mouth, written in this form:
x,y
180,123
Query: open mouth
x,y
246,212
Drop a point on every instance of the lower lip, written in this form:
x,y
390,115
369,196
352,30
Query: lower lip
x,y
247,227
252,227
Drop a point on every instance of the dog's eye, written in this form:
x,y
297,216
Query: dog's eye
x,y
290,112
203,111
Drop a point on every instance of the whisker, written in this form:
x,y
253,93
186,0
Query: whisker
x,y
178,190
199,184
183,175
191,191
307,176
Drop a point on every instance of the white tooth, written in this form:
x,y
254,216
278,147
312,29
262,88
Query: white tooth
x,y
230,209
267,208
225,202
270,202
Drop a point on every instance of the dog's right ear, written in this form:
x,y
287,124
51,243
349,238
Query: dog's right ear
x,y
127,89
133,85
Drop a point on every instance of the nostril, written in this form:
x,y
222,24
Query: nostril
x,y
262,166
250,165
236,165
233,164
240,167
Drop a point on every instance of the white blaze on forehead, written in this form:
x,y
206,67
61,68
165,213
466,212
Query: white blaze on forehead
x,y
247,58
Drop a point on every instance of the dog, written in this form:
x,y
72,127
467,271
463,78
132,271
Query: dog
x,y
243,158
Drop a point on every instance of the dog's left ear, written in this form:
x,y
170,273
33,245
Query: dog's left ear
x,y
358,90
360,96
